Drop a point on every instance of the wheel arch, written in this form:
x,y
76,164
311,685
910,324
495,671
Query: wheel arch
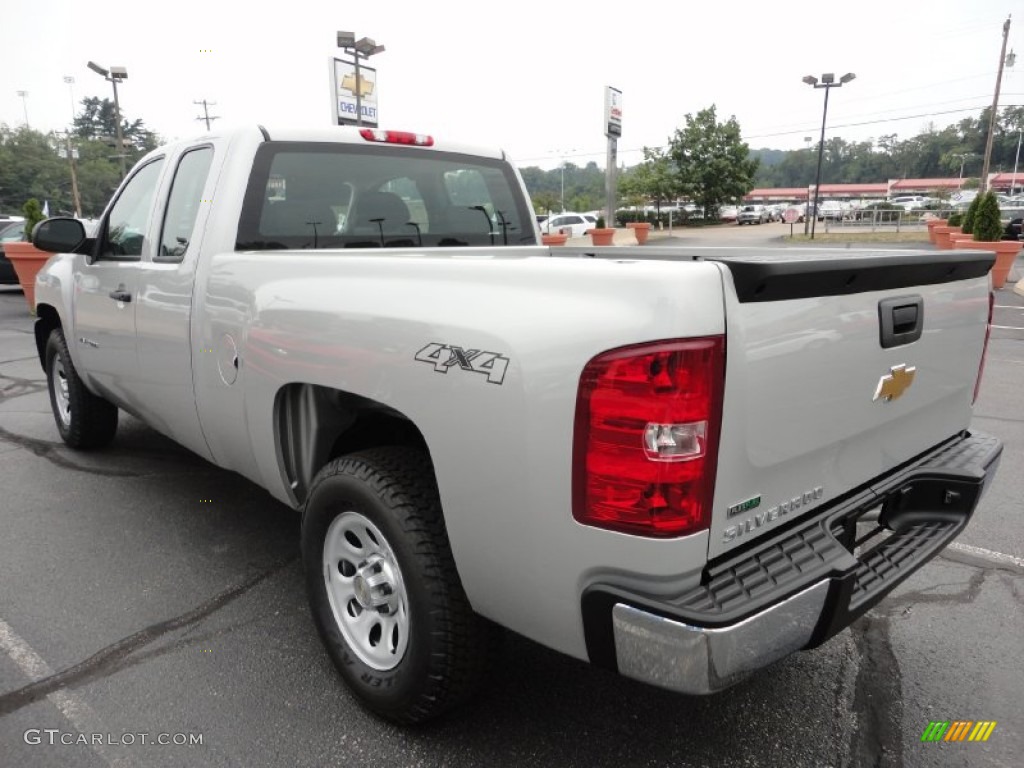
x,y
47,319
314,424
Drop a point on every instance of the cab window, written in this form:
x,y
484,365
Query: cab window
x,y
183,203
125,228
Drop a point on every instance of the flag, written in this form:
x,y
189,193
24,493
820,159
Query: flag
x,y
46,209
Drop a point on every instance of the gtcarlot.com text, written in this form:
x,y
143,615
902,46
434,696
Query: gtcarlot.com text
x,y
54,736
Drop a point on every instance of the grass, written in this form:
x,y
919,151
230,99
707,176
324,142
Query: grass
x,y
861,237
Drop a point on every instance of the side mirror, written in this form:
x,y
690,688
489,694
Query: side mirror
x,y
59,235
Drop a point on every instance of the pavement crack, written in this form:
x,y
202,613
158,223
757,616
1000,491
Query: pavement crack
x,y
19,387
51,452
19,359
877,740
121,654
977,561
967,595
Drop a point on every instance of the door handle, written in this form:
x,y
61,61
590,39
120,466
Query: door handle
x,y
120,294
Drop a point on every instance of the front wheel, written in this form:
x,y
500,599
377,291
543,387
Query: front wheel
x,y
84,420
383,588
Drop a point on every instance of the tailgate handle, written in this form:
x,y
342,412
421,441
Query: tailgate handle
x,y
900,320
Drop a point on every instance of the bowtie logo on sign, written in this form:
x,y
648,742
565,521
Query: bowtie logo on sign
x,y
348,83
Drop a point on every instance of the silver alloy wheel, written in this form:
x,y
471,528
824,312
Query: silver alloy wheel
x,y
366,592
60,391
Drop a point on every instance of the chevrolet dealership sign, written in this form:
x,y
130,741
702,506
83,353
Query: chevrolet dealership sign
x,y
344,85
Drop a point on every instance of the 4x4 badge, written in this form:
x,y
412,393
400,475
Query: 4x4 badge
x,y
444,357
895,383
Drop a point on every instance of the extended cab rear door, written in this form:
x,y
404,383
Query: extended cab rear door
x,y
166,277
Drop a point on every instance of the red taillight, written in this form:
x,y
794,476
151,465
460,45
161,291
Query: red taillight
x,y
646,442
984,349
397,137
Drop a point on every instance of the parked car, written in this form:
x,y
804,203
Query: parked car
x,y
728,213
11,230
752,214
1012,218
572,224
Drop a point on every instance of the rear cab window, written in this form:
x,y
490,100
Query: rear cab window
x,y
338,195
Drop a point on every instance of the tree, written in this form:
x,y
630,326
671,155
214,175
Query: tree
x,y
652,180
713,164
987,225
97,121
545,201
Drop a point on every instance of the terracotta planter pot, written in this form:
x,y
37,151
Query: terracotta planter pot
x,y
641,229
957,240
554,239
1006,253
27,261
601,236
942,233
932,224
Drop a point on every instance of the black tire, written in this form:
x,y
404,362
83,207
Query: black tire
x,y
89,421
449,648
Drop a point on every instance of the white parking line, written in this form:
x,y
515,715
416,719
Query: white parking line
x,y
988,554
1008,327
76,711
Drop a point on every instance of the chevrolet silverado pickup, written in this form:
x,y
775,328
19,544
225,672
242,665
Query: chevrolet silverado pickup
x,y
682,465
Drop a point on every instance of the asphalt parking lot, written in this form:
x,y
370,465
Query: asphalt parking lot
x,y
144,591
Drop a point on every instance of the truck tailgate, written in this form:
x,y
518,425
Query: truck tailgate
x,y
839,367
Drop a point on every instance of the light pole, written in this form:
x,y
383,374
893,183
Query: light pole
x,y
963,159
112,76
365,47
561,167
828,83
24,105
71,92
1007,61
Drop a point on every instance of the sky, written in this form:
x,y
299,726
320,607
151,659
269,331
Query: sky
x,y
527,76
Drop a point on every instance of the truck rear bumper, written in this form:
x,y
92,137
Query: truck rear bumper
x,y
796,588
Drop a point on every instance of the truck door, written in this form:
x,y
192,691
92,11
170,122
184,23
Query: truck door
x,y
166,279
104,291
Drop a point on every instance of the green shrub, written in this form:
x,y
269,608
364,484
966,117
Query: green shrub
x,y
967,225
33,213
600,222
988,227
955,220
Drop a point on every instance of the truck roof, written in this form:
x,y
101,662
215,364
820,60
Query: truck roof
x,y
344,134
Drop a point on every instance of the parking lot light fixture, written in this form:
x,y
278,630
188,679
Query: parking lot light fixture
x,y
828,82
112,76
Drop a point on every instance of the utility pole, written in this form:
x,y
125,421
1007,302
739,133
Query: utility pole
x,y
72,153
206,112
995,107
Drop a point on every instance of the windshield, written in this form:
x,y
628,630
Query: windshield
x,y
324,195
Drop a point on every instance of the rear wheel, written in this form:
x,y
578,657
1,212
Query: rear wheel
x,y
383,589
84,420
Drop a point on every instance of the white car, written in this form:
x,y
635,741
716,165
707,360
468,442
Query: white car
x,y
572,224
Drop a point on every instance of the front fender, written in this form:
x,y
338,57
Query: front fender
x,y
55,286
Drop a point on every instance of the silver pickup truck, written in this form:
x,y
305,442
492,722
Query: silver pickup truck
x,y
680,465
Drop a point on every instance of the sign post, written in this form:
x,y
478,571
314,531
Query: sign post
x,y
612,129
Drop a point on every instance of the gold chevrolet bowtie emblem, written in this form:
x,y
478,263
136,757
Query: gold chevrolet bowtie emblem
x,y
895,383
348,83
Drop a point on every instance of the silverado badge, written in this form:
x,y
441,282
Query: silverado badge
x,y
895,383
